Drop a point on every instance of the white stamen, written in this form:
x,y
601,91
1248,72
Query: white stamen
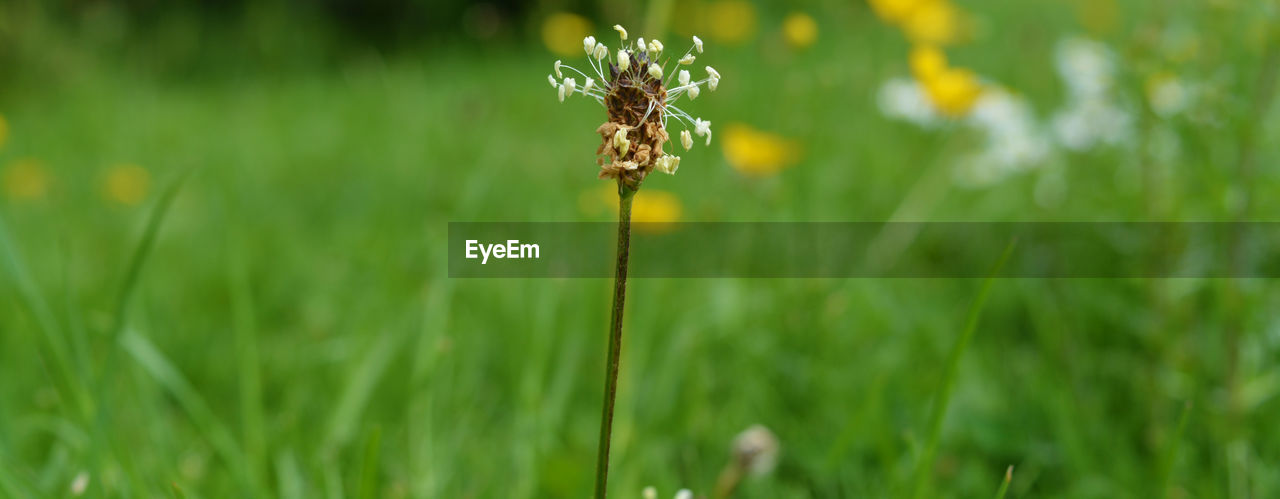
x,y
686,139
655,47
684,77
622,32
590,83
641,46
693,92
600,52
624,60
687,59
712,83
712,71
561,88
569,85
552,80
697,43
589,44
655,71
558,75
667,164
620,142
702,128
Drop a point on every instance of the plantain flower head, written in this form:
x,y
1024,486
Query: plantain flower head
x,y
638,84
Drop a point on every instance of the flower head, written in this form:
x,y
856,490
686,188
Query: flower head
x,y
639,98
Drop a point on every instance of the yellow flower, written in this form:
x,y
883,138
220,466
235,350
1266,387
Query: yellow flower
x,y
563,33
126,184
953,91
799,30
894,11
927,62
933,21
757,153
655,210
4,130
730,21
26,180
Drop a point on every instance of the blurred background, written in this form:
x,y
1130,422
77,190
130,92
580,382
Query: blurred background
x,y
223,225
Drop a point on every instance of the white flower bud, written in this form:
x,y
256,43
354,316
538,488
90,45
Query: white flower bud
x,y
569,85
561,90
552,80
621,142
589,44
655,71
622,32
624,60
687,59
686,140
590,83
683,77
697,44
655,47
693,92
558,75
600,52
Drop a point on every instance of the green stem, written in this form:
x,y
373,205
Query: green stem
x,y
625,195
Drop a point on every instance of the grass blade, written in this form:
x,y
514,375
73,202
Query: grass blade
x,y
924,466
1004,485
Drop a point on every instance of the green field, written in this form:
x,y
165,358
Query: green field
x,y
286,328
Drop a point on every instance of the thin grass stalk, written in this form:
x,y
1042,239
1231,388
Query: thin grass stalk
x,y
625,196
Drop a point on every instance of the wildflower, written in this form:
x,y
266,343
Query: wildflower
x,y
1086,66
1013,140
657,211
1091,115
756,449
735,20
894,11
905,99
632,86
562,31
927,62
755,152
953,91
25,180
933,21
799,30
126,184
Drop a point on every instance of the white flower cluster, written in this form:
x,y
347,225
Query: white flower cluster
x,y
1091,115
652,493
603,61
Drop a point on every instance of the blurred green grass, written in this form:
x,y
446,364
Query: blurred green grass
x,y
293,333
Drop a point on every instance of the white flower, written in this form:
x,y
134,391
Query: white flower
x,y
624,60
589,44
693,92
655,71
702,128
621,142
570,85
686,60
622,32
905,99
697,44
557,66
684,494
686,139
600,52
655,47
552,80
1086,66
757,449
683,77
667,164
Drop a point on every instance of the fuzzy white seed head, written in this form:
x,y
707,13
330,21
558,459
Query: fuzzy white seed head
x,y
684,494
655,47
587,87
686,140
655,71
561,92
621,142
589,44
552,81
570,85
697,44
600,52
557,66
702,128
683,77
693,92
624,60
687,59
622,32
650,493
640,45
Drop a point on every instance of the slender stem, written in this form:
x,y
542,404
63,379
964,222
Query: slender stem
x,y
625,195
